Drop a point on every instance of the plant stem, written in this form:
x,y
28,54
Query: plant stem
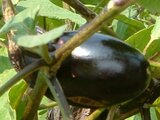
x,y
59,96
22,74
95,114
77,5
36,96
145,113
46,106
111,113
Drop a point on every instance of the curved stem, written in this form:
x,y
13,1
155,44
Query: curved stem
x,y
46,106
145,113
111,113
59,96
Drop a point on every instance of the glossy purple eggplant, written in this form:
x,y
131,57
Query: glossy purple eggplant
x,y
102,71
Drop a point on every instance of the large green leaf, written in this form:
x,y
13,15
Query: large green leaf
x,y
152,5
50,10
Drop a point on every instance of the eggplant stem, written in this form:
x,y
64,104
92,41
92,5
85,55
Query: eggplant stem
x,y
145,113
60,98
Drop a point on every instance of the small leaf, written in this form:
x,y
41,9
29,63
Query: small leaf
x,y
140,39
15,94
52,10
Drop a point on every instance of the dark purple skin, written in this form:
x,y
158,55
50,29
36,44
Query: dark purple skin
x,y
103,69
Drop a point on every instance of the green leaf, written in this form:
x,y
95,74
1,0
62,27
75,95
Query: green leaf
x,y
131,22
140,39
151,5
153,113
50,10
125,25
153,45
6,113
123,30
30,41
22,23
15,98
5,60
153,48
137,117
16,93
130,118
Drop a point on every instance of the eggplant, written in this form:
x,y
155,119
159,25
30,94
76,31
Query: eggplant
x,y
103,71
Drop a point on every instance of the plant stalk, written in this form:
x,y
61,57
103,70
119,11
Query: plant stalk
x,y
35,98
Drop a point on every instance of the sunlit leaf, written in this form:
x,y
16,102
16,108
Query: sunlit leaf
x,y
15,94
6,113
153,113
50,10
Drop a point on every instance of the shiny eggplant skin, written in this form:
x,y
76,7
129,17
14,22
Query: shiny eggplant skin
x,y
102,71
